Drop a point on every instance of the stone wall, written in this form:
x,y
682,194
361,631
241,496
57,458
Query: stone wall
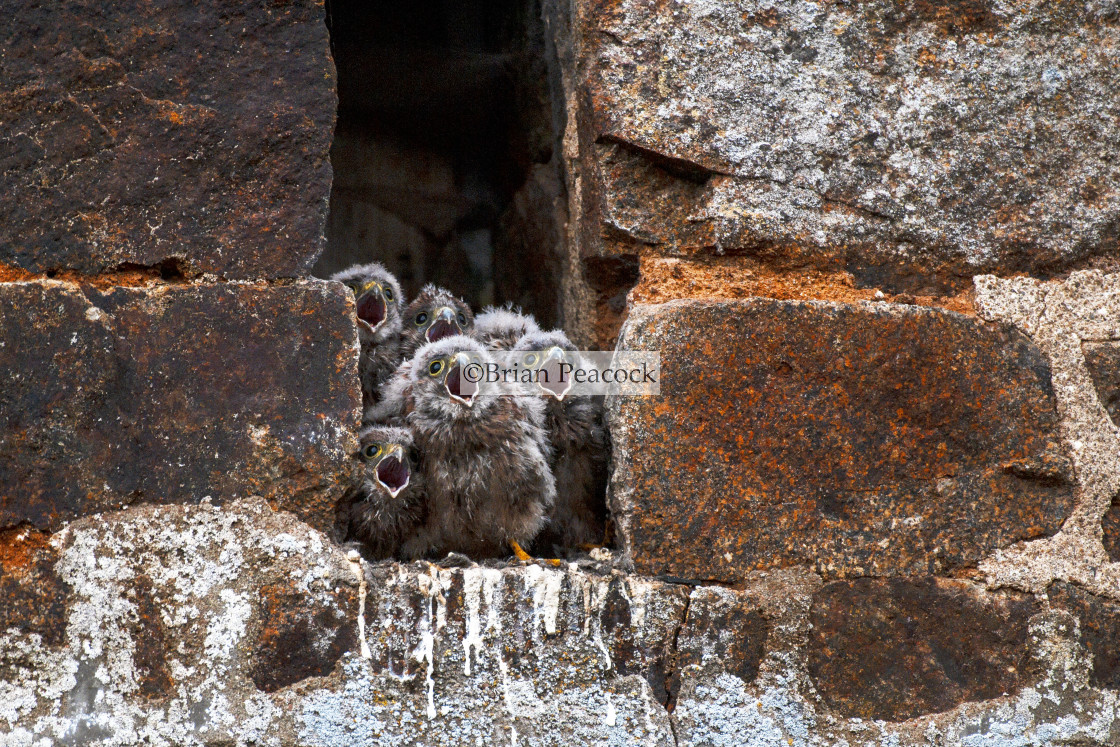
x,y
878,500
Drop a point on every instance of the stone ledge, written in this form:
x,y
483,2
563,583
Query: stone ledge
x,y
194,625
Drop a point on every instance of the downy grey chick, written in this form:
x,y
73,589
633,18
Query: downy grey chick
x,y
387,507
501,328
433,315
377,298
486,462
580,448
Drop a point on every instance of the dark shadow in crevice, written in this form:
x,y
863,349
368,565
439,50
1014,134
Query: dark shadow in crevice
x,y
445,155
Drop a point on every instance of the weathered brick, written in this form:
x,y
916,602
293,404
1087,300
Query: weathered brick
x,y
174,393
862,440
189,135
861,137
1103,362
893,649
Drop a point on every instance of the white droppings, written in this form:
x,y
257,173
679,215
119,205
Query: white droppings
x,y
545,585
355,561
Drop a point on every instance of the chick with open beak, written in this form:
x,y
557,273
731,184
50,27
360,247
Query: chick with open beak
x,y
387,506
433,315
487,478
377,301
578,441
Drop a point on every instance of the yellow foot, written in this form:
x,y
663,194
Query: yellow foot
x,y
527,558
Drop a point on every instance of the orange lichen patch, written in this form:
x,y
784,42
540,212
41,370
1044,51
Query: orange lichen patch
x,y
21,546
666,279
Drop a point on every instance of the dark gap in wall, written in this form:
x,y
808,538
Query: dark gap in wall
x,y
446,159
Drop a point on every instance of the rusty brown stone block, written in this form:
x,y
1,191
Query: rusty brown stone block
x,y
860,440
174,393
1100,630
897,648
302,636
189,135
858,137
1103,362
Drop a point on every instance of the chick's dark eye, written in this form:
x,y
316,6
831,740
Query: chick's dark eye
x,y
422,317
388,294
414,455
371,451
462,319
435,367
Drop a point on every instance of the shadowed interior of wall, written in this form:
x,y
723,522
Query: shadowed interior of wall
x,y
445,154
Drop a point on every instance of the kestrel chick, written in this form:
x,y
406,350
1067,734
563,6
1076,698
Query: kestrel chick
x,y
433,315
580,448
501,328
486,463
377,299
388,506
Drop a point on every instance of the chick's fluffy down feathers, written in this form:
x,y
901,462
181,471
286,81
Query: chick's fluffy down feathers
x,y
486,466
499,328
377,519
381,346
580,452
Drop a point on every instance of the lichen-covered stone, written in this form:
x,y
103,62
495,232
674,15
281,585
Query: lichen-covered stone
x,y
188,135
1099,620
913,144
897,648
168,607
860,440
724,631
174,393
1103,361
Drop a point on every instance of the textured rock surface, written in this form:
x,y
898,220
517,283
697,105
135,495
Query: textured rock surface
x,y
171,610
193,135
873,439
172,393
1110,529
911,143
1103,362
1100,630
899,648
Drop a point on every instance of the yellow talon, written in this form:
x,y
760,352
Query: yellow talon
x,y
527,558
